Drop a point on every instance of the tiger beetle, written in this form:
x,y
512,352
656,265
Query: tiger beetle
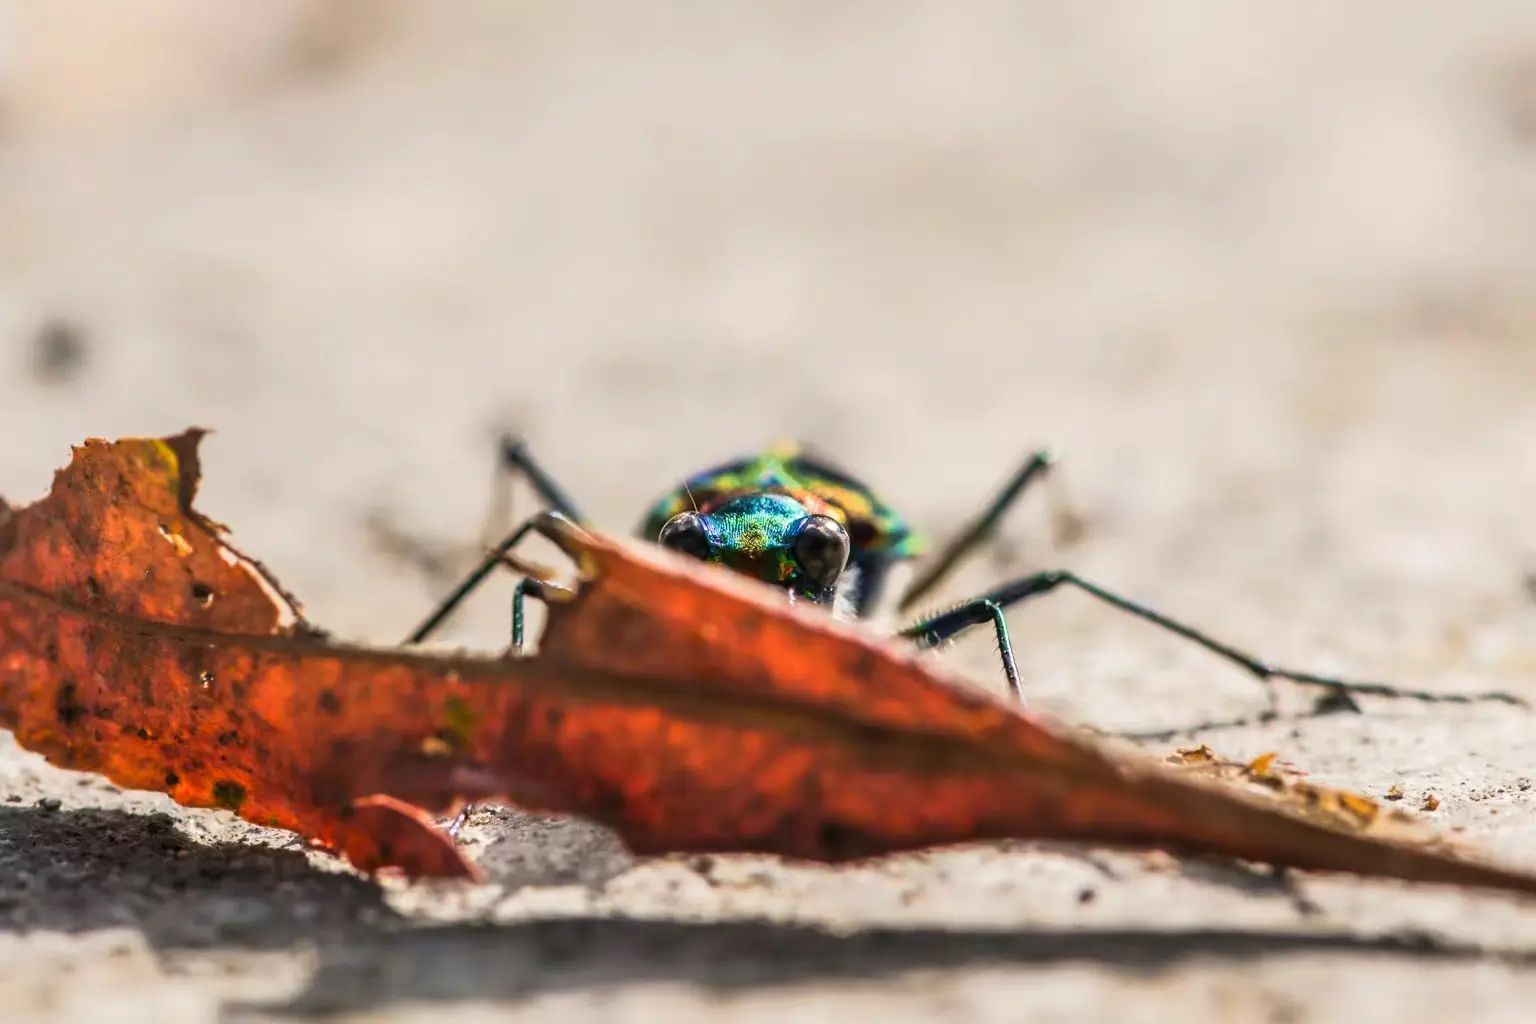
x,y
793,520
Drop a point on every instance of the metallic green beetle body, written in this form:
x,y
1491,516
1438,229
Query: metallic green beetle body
x,y
750,511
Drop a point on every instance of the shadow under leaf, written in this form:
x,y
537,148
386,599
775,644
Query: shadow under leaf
x,y
82,870
516,962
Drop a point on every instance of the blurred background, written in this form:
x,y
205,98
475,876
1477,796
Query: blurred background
x,y
1261,273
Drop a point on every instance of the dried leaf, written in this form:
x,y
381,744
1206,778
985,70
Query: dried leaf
x,y
1336,808
677,703
134,642
1261,765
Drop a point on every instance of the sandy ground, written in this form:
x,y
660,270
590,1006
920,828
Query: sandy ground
x,y
1260,273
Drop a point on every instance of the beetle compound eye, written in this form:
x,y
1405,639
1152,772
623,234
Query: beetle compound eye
x,y
686,533
821,548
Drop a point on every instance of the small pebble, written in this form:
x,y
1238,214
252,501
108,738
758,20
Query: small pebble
x,y
50,803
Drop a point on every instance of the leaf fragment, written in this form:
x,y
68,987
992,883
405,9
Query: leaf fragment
x,y
1261,766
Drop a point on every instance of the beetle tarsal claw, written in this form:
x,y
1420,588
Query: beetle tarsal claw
x,y
533,570
570,538
552,593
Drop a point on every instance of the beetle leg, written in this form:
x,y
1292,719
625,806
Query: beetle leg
x,y
979,529
513,459
493,558
526,587
497,556
988,608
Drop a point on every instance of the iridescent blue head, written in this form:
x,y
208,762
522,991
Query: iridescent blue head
x,y
771,537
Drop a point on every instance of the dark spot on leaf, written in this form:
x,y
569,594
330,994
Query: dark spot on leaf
x,y
202,593
92,587
866,665
69,709
631,627
172,779
226,738
143,734
329,702
228,794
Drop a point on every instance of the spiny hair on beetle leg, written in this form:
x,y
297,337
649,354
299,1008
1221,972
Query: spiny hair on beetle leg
x,y
936,612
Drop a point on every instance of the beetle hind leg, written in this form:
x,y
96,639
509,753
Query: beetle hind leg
x,y
937,629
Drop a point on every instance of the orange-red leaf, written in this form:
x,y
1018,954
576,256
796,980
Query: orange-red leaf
x,y
124,620
687,708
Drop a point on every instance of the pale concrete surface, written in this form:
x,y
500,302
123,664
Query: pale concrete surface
x,y
1262,273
